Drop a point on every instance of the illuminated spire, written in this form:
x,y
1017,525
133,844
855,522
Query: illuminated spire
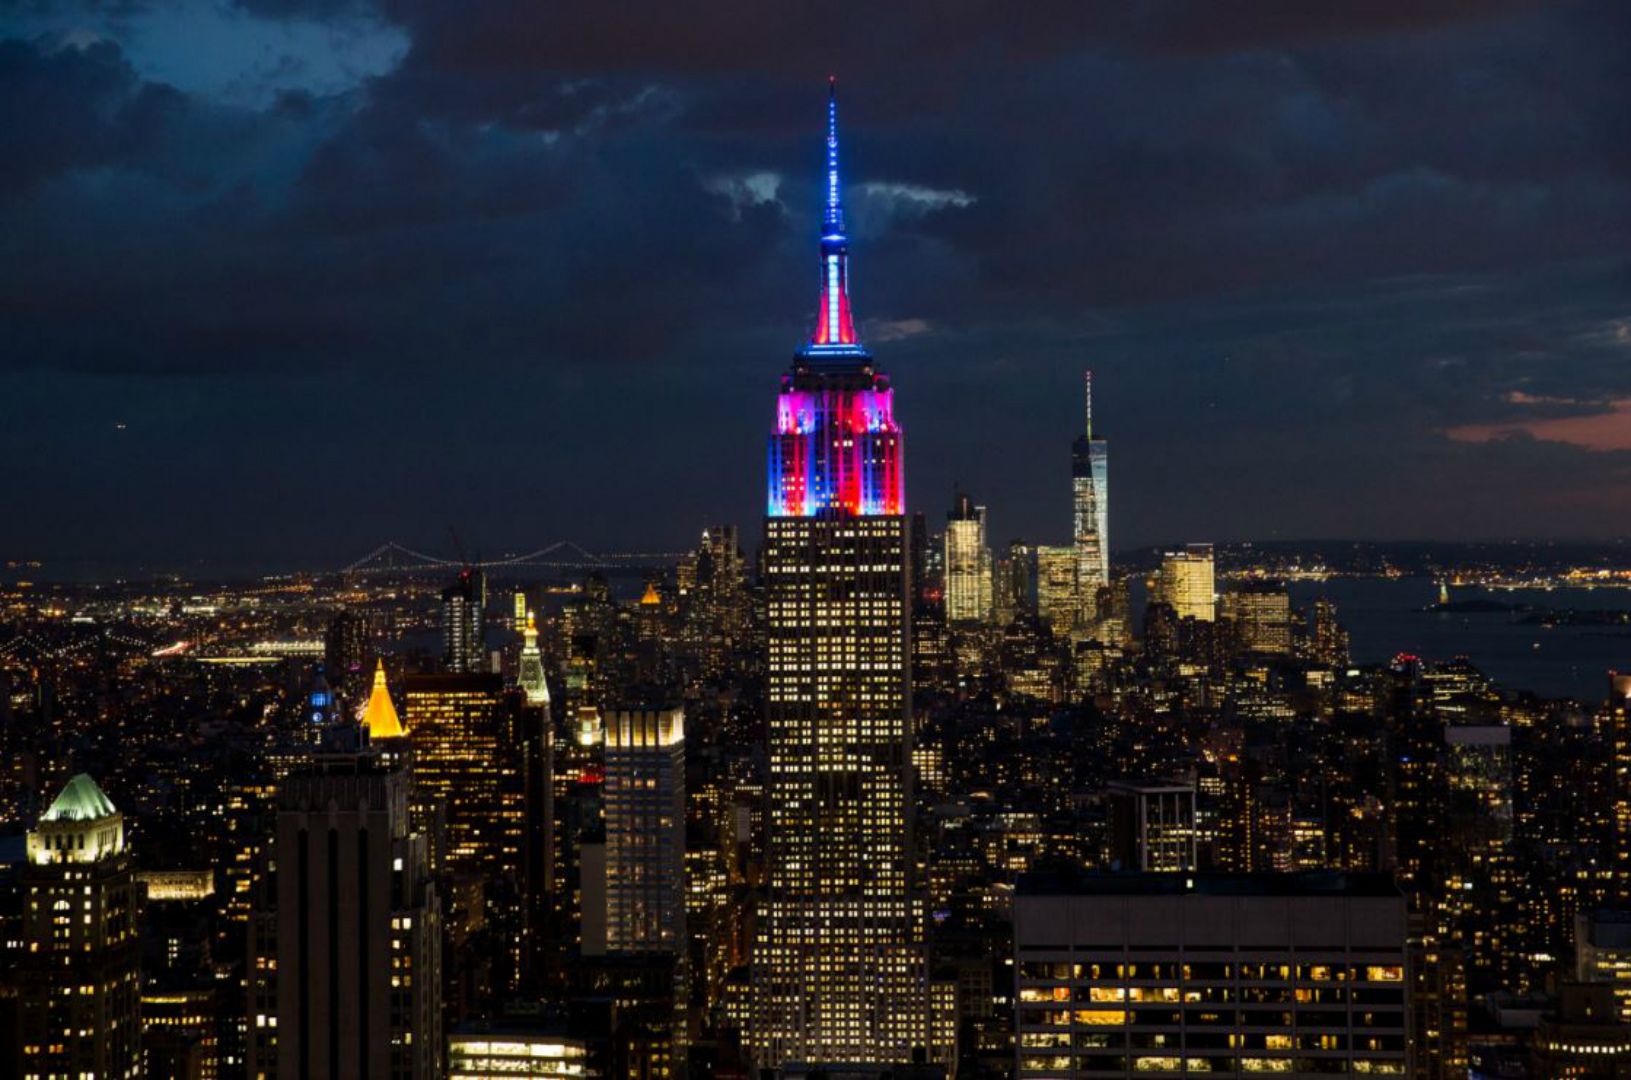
x,y
1089,381
833,224
380,715
835,327
531,676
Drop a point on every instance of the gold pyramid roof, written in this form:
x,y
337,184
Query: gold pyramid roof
x,y
380,716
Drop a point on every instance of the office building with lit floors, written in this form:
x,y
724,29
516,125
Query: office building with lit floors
x,y
467,765
968,563
356,975
838,965
504,1053
635,949
1186,583
78,970
464,637
1152,826
645,830
1137,974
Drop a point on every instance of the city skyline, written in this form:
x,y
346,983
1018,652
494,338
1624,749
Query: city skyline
x,y
1352,233
845,782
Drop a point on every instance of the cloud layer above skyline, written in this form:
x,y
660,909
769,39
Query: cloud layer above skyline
x,y
285,279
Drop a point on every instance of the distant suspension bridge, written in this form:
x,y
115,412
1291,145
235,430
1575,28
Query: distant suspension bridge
x,y
394,558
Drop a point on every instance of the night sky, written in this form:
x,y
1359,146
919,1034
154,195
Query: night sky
x,y
282,280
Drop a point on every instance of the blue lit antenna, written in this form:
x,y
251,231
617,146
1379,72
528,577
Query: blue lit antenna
x,y
832,227
835,325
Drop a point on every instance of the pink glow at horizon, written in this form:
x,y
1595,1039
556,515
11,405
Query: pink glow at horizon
x,y
1610,430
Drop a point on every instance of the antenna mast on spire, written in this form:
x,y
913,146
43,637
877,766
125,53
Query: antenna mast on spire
x,y
835,326
1088,381
833,223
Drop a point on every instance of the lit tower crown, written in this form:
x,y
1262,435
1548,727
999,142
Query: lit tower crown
x,y
379,716
837,449
531,677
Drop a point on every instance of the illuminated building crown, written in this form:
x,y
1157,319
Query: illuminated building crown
x,y
836,451
380,717
81,826
531,676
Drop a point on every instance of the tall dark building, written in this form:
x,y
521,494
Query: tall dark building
x,y
79,980
1618,715
537,751
357,962
838,961
464,641
469,792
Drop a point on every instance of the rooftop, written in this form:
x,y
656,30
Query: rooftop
x,y
81,800
1311,883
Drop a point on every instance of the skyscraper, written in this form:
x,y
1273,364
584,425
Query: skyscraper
x,y
1057,594
645,830
466,765
1617,715
358,935
1187,583
968,563
537,736
1090,503
838,962
464,647
79,984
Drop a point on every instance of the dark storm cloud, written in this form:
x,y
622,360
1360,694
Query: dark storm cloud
x,y
548,238
73,109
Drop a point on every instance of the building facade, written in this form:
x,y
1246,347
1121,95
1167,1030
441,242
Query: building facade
x,y
1262,616
1152,826
1058,599
467,767
1174,974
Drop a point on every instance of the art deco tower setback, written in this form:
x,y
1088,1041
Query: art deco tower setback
x,y
838,963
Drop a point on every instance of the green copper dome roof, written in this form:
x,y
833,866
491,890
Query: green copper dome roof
x,y
81,800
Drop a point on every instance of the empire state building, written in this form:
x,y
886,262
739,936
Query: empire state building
x,y
839,961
